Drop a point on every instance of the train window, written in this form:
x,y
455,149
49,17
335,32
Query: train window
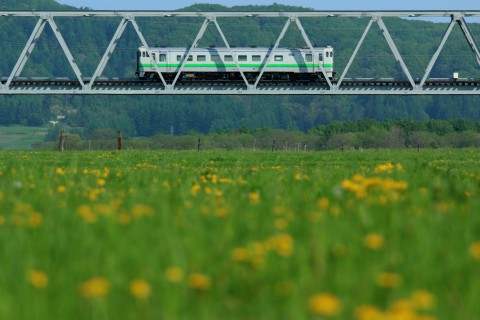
x,y
278,58
190,58
216,58
308,57
143,54
242,58
256,58
201,58
228,58
154,57
320,57
162,57
179,57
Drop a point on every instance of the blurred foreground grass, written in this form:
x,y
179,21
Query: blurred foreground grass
x,y
372,235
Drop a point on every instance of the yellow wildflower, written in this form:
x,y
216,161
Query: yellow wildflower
x,y
388,280
86,213
422,300
280,224
140,210
124,219
475,250
95,288
101,182
35,220
199,281
373,241
282,244
240,254
38,279
174,274
140,289
368,312
323,203
254,198
195,189
60,171
325,304
61,189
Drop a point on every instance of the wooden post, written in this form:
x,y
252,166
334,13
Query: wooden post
x,y
198,145
273,145
61,143
119,140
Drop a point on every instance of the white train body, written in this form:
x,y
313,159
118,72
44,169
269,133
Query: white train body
x,y
210,63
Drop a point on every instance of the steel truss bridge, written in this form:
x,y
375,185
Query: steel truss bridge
x,y
13,84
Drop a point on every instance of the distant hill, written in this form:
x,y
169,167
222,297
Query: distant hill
x,y
145,116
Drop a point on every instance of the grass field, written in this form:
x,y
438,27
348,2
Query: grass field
x,y
20,137
372,235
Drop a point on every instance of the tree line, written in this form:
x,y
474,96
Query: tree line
x,y
350,135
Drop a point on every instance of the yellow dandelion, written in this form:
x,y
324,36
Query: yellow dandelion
x,y
388,280
368,312
240,254
124,219
95,288
174,274
281,224
422,300
61,189
325,304
35,220
282,244
101,182
323,203
373,241
221,212
37,279
86,213
140,210
195,189
475,250
199,281
140,289
60,171
254,198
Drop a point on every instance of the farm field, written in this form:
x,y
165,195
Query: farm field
x,y
20,137
371,235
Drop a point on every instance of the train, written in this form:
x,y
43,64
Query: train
x,y
218,64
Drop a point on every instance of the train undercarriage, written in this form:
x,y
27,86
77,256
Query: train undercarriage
x,y
235,77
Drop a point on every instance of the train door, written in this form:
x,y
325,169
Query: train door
x,y
163,62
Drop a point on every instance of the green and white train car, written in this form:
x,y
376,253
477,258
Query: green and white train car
x,y
218,64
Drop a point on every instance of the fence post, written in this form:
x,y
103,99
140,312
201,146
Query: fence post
x,y
119,140
61,143
198,145
273,145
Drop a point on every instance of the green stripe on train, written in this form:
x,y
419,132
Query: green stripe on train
x,y
201,65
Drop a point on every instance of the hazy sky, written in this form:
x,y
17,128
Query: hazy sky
x,y
315,4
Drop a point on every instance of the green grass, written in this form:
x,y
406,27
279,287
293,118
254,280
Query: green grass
x,y
20,137
272,232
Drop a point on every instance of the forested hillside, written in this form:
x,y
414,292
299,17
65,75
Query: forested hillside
x,y
146,116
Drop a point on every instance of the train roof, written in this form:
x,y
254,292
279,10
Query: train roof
x,y
236,49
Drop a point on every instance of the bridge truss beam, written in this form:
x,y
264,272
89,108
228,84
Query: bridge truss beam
x,y
13,84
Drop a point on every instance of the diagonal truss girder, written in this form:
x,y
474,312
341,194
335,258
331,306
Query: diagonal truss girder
x,y
48,18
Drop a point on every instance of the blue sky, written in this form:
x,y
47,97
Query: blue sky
x,y
316,4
